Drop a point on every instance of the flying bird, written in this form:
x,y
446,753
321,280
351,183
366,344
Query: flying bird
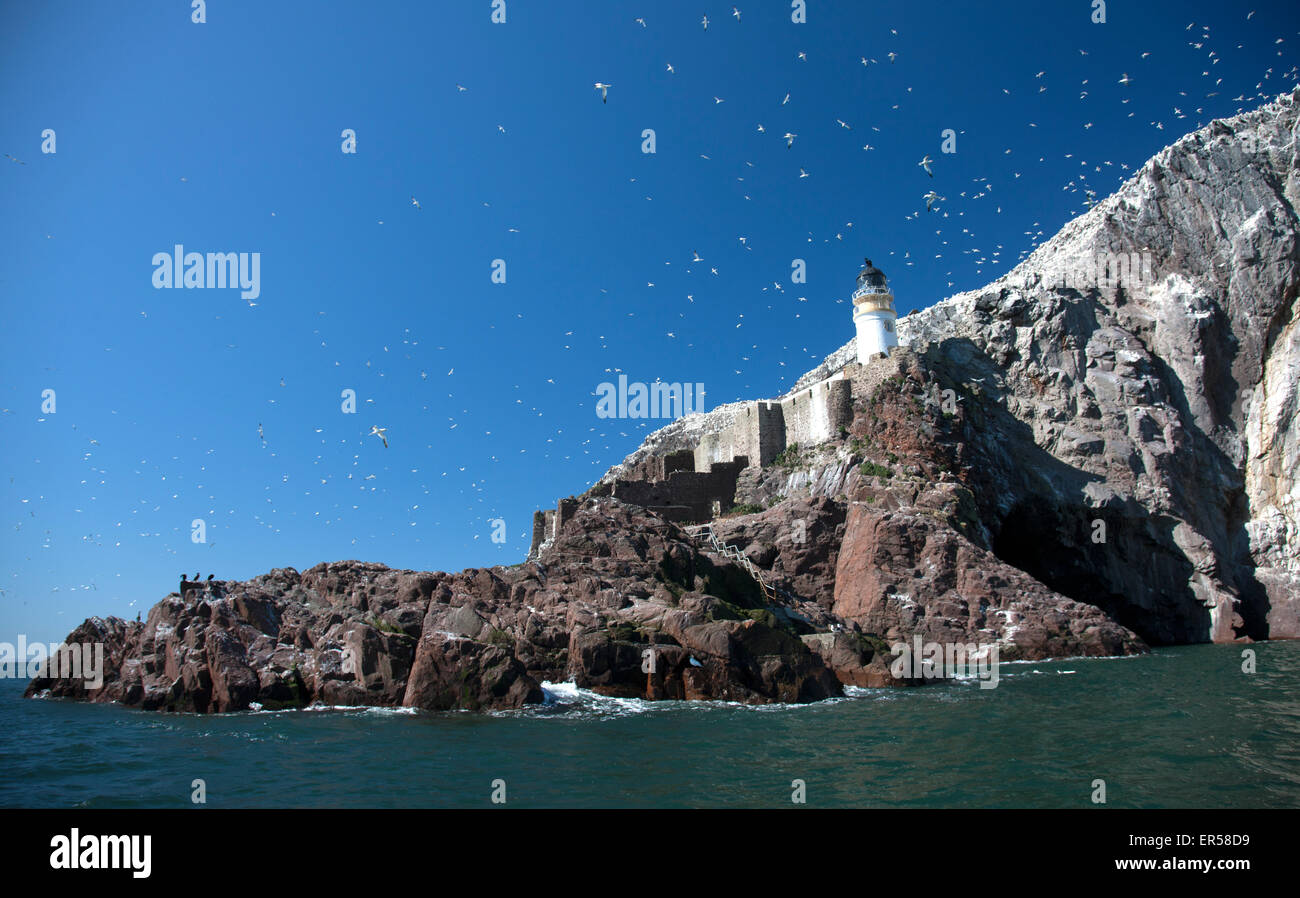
x,y
789,139
925,164
379,432
415,202
930,199
604,89
705,23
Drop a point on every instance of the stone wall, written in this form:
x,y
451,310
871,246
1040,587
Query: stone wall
x,y
695,490
693,485
658,467
764,429
816,414
563,511
539,531
684,496
543,530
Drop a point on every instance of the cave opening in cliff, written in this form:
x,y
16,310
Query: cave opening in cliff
x,y
1058,547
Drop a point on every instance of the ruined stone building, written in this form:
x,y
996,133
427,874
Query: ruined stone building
x,y
694,485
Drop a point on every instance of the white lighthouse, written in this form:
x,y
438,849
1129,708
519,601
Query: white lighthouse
x,y
873,314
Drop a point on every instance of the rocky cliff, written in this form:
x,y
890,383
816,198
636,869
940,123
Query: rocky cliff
x,y
1163,403
1061,463
1123,403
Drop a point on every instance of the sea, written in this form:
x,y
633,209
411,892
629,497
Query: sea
x,y
1184,727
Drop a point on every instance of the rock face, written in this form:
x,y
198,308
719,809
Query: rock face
x,y
1163,404
622,602
1126,399
905,573
1059,463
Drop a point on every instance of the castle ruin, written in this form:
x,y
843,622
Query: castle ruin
x,y
697,484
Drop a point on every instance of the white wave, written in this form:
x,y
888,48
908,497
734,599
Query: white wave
x,y
570,696
381,710
570,693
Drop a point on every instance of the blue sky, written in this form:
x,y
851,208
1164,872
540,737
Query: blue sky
x,y
226,137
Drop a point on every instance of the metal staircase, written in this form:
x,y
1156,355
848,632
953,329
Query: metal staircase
x,y
704,533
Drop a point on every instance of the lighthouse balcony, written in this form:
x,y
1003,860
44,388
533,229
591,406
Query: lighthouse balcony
x,y
879,302
871,290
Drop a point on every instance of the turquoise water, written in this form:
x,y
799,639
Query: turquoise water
x,y
1182,727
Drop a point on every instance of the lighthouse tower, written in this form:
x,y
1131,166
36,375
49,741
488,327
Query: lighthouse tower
x,y
873,314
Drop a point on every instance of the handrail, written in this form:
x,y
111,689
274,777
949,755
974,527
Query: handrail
x,y
732,552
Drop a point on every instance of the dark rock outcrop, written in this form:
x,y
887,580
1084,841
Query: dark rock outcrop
x,y
616,582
